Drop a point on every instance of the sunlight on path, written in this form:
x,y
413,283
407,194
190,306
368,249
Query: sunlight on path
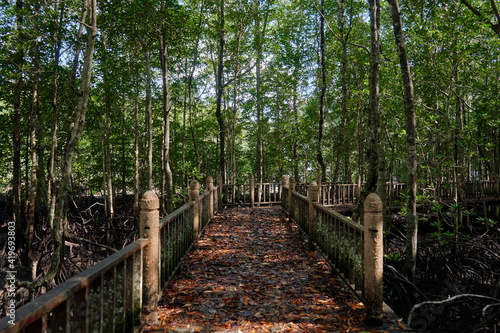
x,y
253,272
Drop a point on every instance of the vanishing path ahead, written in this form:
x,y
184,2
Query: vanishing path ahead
x,y
253,272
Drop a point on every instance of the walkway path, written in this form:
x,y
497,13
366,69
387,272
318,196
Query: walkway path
x,y
253,272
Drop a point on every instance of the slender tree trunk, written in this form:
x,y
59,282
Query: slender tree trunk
x,y
55,122
342,145
35,134
219,90
148,120
167,186
297,135
74,134
18,61
136,153
322,94
411,162
258,89
107,134
190,97
373,130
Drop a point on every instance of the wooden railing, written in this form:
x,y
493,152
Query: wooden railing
x,y
343,242
106,297
251,194
341,194
337,237
112,295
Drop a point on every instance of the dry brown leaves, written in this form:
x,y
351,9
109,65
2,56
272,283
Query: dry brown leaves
x,y
253,272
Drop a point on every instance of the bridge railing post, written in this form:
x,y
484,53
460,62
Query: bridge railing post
x,y
149,219
358,188
194,197
210,188
252,190
373,259
313,195
219,192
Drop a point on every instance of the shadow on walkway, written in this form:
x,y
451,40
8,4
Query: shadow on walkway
x,y
253,272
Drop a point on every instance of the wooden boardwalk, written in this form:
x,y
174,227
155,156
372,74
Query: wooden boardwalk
x,y
253,272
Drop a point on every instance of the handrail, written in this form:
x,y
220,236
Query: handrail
x,y
112,295
342,242
59,304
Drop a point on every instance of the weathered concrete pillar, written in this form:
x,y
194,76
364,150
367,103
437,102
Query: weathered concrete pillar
x,y
194,196
283,184
149,220
358,187
291,187
373,259
219,192
210,188
320,187
252,190
313,195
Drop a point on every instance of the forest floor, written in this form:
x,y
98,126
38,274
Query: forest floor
x,y
253,272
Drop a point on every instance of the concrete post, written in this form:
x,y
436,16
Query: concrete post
x,y
291,188
252,190
320,187
149,220
358,187
219,192
284,206
312,194
373,259
194,196
283,184
210,188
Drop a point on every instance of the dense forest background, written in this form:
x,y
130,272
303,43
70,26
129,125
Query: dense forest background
x,y
184,90
102,100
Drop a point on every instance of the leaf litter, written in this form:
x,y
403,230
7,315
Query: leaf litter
x,y
252,271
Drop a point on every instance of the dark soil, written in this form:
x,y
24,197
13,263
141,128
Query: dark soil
x,y
86,220
462,273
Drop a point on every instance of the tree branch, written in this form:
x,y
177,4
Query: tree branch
x,y
337,37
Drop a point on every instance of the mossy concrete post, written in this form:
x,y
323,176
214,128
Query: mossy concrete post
x,y
219,192
284,206
291,188
210,188
373,259
312,194
320,187
357,192
149,220
252,190
194,196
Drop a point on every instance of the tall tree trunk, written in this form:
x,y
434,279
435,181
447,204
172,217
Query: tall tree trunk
x,y
107,134
297,136
322,94
219,90
148,120
167,186
34,192
411,147
18,61
258,89
55,121
136,152
75,131
373,129
342,145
